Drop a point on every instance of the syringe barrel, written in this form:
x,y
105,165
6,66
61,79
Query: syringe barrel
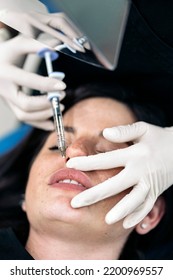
x,y
59,128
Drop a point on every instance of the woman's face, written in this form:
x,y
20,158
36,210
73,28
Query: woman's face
x,y
51,186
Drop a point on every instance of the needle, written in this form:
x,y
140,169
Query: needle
x,y
54,99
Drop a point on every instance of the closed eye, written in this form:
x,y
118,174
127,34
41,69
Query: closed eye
x,y
54,148
99,152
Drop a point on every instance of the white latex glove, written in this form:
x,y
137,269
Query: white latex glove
x,y
35,110
23,5
148,168
31,17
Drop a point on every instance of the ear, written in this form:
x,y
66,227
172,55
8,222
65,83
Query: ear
x,y
153,218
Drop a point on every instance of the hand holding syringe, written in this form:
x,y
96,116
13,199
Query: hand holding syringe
x,y
54,98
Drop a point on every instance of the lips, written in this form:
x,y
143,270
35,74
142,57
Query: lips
x,y
70,178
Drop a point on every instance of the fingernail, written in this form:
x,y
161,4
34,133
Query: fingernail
x,y
59,86
75,203
108,220
106,132
111,219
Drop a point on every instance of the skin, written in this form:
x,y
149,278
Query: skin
x,y
82,233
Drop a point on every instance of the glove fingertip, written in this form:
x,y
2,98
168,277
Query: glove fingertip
x,y
128,223
111,219
75,203
112,134
49,127
108,220
70,164
107,132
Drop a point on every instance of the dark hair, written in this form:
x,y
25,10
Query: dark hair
x,y
14,166
14,170
143,110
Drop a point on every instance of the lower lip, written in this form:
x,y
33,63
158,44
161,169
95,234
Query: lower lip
x,y
69,187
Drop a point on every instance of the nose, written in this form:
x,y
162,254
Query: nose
x,y
80,147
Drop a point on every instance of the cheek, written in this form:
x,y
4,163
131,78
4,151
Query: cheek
x,y
104,206
108,203
44,166
38,176
103,175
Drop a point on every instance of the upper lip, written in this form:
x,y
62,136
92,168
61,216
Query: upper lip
x,y
72,174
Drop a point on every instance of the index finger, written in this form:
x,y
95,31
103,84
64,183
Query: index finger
x,y
61,22
100,161
54,27
106,189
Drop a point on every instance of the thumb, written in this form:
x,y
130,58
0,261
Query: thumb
x,y
125,133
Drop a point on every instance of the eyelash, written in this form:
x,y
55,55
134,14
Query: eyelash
x,y
99,152
54,148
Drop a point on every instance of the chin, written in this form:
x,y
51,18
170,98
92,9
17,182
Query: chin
x,y
61,210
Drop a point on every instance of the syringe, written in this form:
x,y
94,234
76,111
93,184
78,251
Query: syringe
x,y
54,99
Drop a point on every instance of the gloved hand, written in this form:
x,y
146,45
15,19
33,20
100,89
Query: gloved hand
x,y
35,110
148,168
32,17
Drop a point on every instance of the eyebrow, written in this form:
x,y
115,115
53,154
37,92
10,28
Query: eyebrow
x,y
70,129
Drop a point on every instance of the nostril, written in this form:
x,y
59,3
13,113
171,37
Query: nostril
x,y
67,159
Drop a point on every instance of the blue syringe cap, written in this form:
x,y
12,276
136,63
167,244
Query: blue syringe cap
x,y
53,55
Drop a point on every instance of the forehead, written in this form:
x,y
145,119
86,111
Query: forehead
x,y
100,109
